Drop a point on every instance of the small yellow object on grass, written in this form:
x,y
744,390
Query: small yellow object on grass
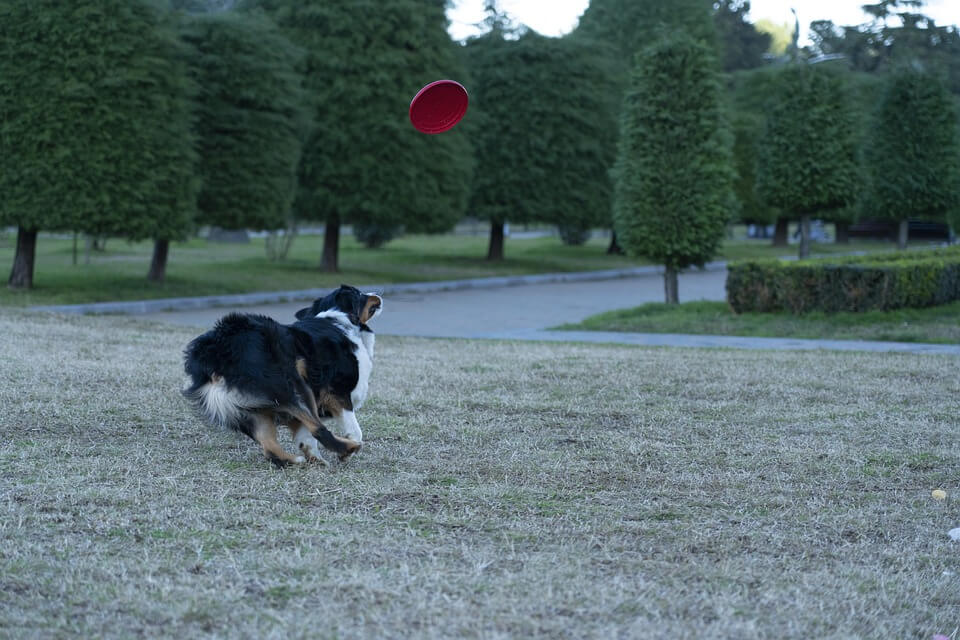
x,y
939,494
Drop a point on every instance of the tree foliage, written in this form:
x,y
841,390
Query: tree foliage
x,y
362,161
96,120
914,153
251,118
898,33
746,101
673,177
807,160
547,130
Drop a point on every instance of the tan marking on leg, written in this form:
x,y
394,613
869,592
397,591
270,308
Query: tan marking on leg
x,y
302,367
329,402
265,432
373,303
345,447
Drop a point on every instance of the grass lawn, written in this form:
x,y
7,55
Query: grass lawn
x,y
506,490
934,324
200,268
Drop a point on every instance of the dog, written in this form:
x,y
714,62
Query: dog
x,y
250,373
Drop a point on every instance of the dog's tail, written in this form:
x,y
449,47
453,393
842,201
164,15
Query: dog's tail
x,y
221,404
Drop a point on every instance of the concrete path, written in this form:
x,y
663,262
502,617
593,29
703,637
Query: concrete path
x,y
525,312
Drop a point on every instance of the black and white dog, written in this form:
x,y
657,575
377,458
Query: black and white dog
x,y
251,373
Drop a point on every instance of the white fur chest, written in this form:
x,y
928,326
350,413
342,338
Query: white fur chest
x,y
364,355
363,350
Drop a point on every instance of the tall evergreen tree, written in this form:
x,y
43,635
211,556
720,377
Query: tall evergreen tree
x,y
547,134
363,162
807,160
251,117
673,177
914,154
746,100
627,26
95,125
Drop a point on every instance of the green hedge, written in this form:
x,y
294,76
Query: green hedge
x,y
877,282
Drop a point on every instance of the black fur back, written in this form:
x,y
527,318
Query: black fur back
x,y
257,356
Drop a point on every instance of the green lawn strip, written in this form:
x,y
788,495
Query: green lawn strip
x,y
933,325
198,268
504,490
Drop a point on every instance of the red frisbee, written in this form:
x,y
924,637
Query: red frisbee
x,y
438,106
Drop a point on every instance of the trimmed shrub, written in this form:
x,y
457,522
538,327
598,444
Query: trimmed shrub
x,y
880,282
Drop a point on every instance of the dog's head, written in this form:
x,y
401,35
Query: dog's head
x,y
359,307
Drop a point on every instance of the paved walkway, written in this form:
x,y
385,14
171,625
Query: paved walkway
x,y
523,308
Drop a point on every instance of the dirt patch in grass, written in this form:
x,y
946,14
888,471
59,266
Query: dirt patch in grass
x,y
506,490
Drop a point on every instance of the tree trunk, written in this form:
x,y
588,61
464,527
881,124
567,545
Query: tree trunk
x,y
75,234
781,232
903,234
670,286
842,230
495,250
21,276
614,249
804,236
158,264
330,260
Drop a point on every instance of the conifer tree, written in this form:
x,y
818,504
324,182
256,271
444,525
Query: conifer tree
x,y
914,152
251,116
362,161
96,113
547,134
673,178
807,156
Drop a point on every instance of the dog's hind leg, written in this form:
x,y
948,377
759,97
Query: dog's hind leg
x,y
305,441
265,432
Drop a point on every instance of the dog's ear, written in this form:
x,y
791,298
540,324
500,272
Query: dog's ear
x,y
312,310
350,301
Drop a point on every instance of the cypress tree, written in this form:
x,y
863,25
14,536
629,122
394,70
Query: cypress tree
x,y
914,151
747,96
250,119
807,158
362,161
627,26
673,178
96,125
548,130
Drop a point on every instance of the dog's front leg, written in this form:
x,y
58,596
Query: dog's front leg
x,y
346,423
305,441
351,428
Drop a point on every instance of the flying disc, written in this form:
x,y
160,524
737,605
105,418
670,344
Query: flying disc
x,y
438,106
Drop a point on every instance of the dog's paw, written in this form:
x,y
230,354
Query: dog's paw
x,y
352,447
311,455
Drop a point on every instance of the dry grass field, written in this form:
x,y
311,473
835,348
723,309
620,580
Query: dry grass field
x,y
506,490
